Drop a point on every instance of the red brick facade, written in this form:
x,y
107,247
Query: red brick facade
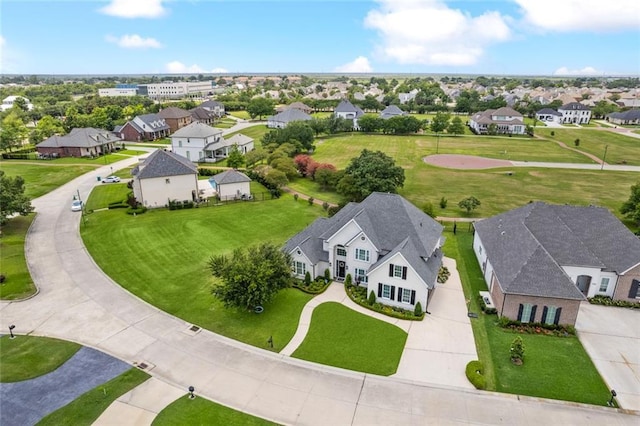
x,y
130,133
623,288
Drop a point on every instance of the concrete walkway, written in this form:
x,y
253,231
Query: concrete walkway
x,y
78,302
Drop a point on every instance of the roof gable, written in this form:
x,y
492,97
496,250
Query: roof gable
x,y
164,163
230,176
173,113
197,130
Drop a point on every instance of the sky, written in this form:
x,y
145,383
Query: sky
x,y
499,37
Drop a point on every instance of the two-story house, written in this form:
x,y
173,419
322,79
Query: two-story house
x,y
575,113
176,118
385,243
503,120
217,108
146,127
348,111
195,140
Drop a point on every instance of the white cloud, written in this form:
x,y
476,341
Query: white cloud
x,y
359,64
134,41
429,32
583,71
581,15
2,41
177,67
219,70
135,9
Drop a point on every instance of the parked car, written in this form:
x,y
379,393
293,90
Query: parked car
x,y
76,206
111,179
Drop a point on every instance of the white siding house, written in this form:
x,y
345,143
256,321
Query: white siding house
x,y
503,120
231,185
575,113
193,141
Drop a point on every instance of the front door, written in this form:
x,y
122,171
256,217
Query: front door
x,y
583,283
341,269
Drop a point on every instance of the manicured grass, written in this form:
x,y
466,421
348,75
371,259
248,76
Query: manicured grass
x,y
161,256
310,187
26,357
132,152
621,149
124,173
244,115
344,338
18,283
255,132
551,363
43,176
224,123
200,411
85,409
107,193
321,114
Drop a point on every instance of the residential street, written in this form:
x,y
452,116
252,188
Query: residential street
x,y
78,302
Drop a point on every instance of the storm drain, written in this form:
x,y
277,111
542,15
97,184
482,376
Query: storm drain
x,y
192,330
144,365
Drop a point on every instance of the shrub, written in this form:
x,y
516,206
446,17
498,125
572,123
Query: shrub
x,y
372,298
443,203
332,210
348,281
417,311
307,279
295,197
137,210
536,328
310,200
608,301
576,142
327,274
475,374
119,205
517,349
3,278
325,206
553,133
427,208
443,274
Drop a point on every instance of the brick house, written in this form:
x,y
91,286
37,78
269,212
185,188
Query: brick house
x,y
176,118
146,127
540,261
80,142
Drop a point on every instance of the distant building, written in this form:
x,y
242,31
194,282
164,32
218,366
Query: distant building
x,y
176,90
7,103
575,113
80,142
628,117
217,108
505,120
118,91
282,119
549,115
391,111
348,111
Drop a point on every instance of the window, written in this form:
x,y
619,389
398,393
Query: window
x,y
397,271
604,285
527,312
362,254
341,251
299,268
550,317
406,295
386,291
361,276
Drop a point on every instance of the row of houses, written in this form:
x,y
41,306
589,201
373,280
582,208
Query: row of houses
x,y
539,261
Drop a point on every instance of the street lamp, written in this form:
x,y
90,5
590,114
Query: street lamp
x,y
11,327
613,395
191,395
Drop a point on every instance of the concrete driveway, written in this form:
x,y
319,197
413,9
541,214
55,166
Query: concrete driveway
x,y
611,337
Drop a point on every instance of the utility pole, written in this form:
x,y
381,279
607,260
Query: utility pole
x,y
604,157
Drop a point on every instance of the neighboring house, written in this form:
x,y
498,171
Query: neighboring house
x,y
146,127
80,142
628,117
202,115
540,261
549,115
296,105
385,243
391,111
215,107
164,176
231,185
575,113
243,142
175,117
7,103
629,102
406,97
506,120
192,141
348,111
281,120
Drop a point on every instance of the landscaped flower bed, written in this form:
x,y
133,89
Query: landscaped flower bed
x,y
607,301
359,295
317,286
537,328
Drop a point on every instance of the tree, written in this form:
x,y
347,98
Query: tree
x,y
325,175
13,132
516,351
258,107
469,203
12,198
302,162
251,276
235,159
276,178
371,171
439,123
370,123
402,124
255,156
317,125
47,127
631,207
456,127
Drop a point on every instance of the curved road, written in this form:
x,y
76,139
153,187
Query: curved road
x,y
78,302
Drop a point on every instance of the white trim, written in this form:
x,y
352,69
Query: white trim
x,y
366,236
302,253
625,271
386,262
344,226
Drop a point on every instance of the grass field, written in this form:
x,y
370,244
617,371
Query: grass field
x,y
106,193
550,362
307,186
26,357
85,409
13,265
244,115
44,176
255,132
200,411
344,338
161,256
621,149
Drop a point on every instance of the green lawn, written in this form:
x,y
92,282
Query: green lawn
x,y
551,363
200,411
107,193
161,256
224,123
131,152
26,357
85,409
255,132
310,187
13,265
244,115
344,338
621,149
43,176
124,173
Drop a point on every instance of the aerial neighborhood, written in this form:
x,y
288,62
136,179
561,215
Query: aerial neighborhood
x,y
468,232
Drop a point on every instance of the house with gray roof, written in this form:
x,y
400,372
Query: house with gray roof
x,y
575,113
384,242
540,261
80,142
217,108
175,117
627,117
281,120
192,141
145,127
296,105
503,120
549,115
391,111
202,115
348,111
164,176
231,185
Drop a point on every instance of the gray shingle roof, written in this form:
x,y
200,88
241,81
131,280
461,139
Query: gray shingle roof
x,y
211,104
197,130
346,106
548,111
391,111
507,111
289,115
173,112
164,163
309,242
239,139
230,176
527,247
86,137
200,113
574,106
154,121
632,114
